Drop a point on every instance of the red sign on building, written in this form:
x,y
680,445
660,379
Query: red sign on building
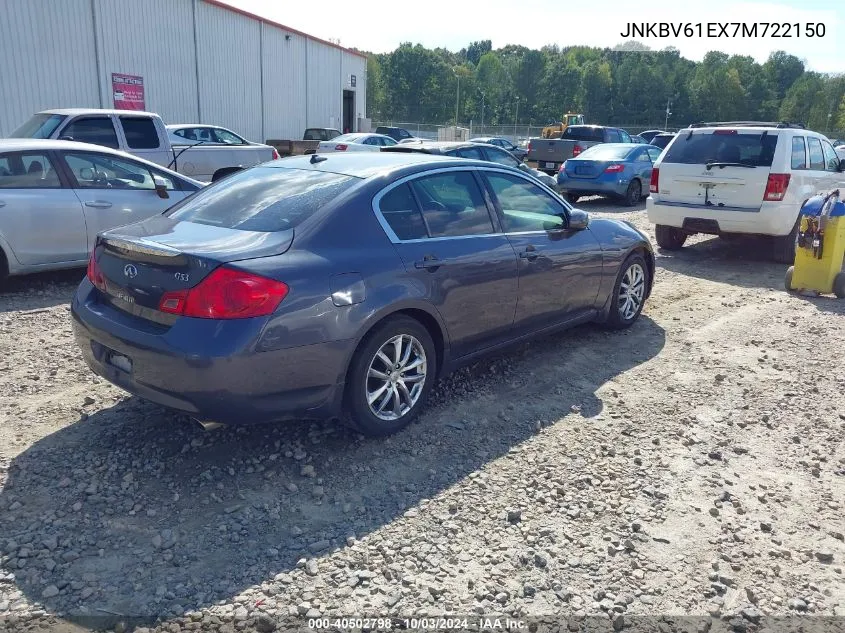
x,y
128,91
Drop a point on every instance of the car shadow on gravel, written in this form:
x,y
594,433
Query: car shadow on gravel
x,y
601,204
39,291
136,514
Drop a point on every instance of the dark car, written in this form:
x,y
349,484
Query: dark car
x,y
475,150
662,140
398,134
345,285
504,143
320,134
650,134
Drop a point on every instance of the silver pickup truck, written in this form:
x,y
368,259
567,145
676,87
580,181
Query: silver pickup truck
x,y
550,154
203,152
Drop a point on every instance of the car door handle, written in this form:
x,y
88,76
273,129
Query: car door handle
x,y
98,204
429,262
530,253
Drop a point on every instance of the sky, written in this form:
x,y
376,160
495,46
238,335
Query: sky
x,y
380,26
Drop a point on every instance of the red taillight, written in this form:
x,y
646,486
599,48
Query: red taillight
x,y
724,132
340,147
776,187
613,169
95,275
275,154
577,150
226,294
529,146
562,168
655,179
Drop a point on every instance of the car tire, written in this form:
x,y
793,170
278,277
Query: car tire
x,y
385,417
633,193
669,237
4,268
839,285
784,246
573,197
632,284
787,280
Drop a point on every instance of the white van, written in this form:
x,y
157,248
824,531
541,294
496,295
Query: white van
x,y
740,177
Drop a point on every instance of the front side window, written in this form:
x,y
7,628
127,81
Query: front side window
x,y
140,132
653,153
470,152
27,170
95,130
816,154
525,206
799,153
102,171
501,157
372,140
831,160
386,141
227,138
626,138
452,205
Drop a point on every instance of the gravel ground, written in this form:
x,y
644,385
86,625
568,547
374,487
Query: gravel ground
x,y
691,466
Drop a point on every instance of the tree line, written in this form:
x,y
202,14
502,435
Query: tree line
x,y
628,85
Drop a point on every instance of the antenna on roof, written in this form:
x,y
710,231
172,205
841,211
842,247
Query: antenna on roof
x,y
317,159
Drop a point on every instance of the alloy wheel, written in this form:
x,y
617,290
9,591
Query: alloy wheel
x,y
396,377
631,291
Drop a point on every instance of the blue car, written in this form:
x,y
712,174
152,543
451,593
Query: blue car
x,y
329,286
620,170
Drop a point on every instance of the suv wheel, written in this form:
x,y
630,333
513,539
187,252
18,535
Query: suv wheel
x,y
391,376
783,246
669,237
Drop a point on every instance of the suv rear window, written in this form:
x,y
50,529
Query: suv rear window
x,y
263,199
753,149
584,133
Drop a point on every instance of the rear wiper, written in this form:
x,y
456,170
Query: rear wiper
x,y
720,165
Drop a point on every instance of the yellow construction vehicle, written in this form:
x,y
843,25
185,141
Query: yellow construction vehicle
x,y
820,247
556,130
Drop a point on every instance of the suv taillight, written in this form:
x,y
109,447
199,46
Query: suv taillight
x,y
226,293
655,180
776,187
94,274
577,150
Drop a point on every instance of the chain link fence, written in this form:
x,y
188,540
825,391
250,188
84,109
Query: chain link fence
x,y
517,134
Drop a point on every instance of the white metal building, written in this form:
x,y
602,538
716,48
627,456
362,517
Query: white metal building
x,y
198,61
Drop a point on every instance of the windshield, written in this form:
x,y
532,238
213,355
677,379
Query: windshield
x,y
262,199
606,152
755,149
39,126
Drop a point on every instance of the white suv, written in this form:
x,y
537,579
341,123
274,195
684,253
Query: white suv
x,y
740,177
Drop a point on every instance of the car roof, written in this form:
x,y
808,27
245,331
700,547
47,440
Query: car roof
x,y
434,146
93,111
484,139
369,164
34,144
179,126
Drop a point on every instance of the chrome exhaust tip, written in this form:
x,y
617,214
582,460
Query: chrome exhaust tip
x,y
208,425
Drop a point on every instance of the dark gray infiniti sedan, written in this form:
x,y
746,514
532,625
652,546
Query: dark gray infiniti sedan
x,y
345,285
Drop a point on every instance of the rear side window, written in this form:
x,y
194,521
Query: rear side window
x,y
501,156
30,170
96,130
756,150
581,133
452,205
816,154
470,152
799,153
401,213
140,132
263,199
315,135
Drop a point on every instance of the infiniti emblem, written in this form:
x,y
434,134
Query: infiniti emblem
x,y
130,271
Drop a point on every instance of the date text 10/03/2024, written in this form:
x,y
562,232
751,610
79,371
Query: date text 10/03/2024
x,y
723,29
420,624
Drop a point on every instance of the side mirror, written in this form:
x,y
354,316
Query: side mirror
x,y
161,187
578,220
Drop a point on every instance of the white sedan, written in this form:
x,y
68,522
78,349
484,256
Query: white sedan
x,y
357,142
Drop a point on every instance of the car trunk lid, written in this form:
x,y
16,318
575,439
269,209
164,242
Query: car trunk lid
x,y
139,263
587,169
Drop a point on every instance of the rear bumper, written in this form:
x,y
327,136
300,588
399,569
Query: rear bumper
x,y
210,369
603,185
771,219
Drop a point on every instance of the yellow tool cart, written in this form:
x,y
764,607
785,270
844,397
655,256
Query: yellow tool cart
x,y
821,247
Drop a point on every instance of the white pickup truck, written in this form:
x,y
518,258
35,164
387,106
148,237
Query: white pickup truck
x,y
145,135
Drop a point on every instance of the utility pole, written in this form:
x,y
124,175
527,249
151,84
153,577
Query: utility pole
x,y
668,112
457,100
482,113
515,121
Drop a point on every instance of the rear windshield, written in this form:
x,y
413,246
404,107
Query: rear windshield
x,y
606,152
754,149
582,133
662,140
39,126
263,199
